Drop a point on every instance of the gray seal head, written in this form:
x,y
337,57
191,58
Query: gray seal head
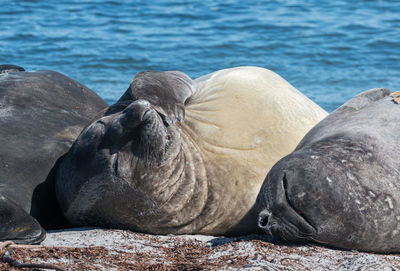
x,y
341,186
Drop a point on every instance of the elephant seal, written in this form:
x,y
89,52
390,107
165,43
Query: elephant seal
x,y
341,186
180,156
41,114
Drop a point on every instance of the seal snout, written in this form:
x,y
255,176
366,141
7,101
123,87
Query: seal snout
x,y
136,113
280,216
272,225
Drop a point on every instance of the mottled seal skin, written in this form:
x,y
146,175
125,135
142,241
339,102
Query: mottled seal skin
x,y
341,186
180,156
41,114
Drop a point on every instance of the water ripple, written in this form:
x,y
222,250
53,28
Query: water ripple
x,y
330,50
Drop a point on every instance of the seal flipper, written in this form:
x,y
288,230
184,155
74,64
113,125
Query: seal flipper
x,y
17,225
363,99
166,91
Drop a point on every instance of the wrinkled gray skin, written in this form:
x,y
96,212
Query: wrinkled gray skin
x,y
341,186
137,168
41,114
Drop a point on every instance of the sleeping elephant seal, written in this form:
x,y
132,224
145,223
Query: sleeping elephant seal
x,y
41,114
180,156
341,186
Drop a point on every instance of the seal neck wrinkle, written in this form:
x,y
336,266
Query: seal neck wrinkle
x,y
180,188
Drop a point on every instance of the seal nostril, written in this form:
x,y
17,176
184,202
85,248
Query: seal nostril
x,y
263,219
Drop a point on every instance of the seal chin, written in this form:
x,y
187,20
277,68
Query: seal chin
x,y
279,218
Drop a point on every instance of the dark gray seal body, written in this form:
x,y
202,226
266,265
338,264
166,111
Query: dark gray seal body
x,y
180,156
341,186
41,114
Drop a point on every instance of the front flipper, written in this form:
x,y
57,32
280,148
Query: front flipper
x,y
166,91
363,99
17,225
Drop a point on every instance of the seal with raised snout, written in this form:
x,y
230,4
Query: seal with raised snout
x,y
341,186
180,156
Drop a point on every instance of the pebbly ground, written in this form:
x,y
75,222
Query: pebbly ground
x,y
98,249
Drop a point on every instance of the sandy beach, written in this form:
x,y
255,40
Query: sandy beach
x,y
98,249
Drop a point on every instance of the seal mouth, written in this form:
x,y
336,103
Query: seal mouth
x,y
291,205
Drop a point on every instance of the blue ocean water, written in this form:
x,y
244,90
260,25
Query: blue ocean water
x,y
329,50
